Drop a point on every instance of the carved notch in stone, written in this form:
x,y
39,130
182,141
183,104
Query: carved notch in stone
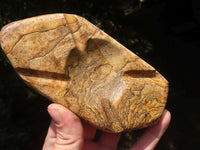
x,y
72,62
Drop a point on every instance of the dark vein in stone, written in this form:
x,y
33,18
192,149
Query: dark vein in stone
x,y
140,73
42,74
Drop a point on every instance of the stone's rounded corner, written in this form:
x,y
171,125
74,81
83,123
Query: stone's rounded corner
x,y
70,18
11,33
166,88
165,81
4,41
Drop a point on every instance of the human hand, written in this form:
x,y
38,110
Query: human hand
x,y
66,132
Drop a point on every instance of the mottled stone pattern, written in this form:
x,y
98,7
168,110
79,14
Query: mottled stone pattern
x,y
72,62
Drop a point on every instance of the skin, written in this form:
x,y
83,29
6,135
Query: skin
x,y
67,132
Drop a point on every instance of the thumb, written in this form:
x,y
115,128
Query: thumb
x,y
68,128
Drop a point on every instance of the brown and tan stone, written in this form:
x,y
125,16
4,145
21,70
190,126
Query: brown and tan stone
x,y
72,62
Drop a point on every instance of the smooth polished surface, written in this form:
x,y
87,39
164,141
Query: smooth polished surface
x,y
72,62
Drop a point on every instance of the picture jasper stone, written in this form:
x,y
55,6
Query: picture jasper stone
x,y
72,62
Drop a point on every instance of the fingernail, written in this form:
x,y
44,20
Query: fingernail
x,y
55,114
